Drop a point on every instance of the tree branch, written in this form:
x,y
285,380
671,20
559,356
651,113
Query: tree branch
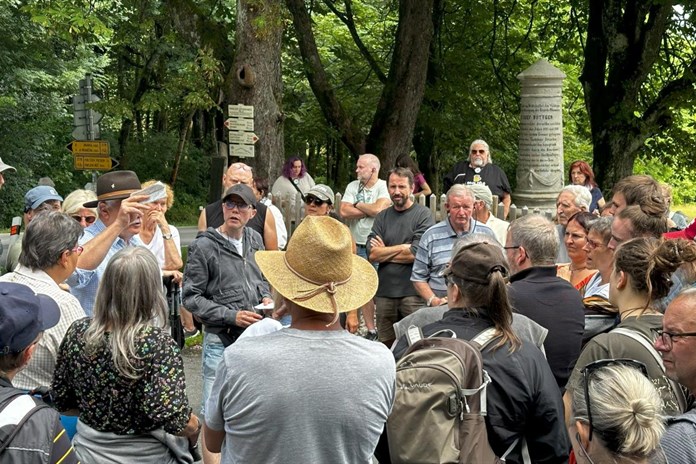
x,y
331,107
349,21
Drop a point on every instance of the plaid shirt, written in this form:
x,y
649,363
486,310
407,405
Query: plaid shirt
x,y
40,369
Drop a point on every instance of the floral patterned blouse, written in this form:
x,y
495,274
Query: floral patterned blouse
x,y
111,403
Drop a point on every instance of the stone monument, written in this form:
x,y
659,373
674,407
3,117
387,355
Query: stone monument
x,y
540,172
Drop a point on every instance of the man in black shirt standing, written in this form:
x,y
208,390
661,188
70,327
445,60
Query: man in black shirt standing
x,y
264,224
393,243
479,169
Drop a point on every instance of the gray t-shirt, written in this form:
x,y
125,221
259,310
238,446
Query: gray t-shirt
x,y
300,396
396,228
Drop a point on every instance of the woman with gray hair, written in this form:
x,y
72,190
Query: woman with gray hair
x,y
122,373
571,200
616,414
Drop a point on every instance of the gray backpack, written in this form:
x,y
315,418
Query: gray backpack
x,y
440,401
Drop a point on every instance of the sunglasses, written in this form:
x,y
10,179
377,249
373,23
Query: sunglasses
x,y
88,219
314,201
481,152
229,204
593,367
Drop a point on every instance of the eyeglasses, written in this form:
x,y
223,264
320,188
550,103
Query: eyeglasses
x,y
229,204
77,250
314,201
591,244
481,152
668,336
591,368
241,166
512,247
88,219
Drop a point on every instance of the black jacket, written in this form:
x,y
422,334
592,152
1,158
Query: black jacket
x,y
555,304
522,400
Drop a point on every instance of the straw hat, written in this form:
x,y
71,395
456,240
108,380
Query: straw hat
x,y
319,271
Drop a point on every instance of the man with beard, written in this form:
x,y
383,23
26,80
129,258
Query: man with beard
x,y
393,243
479,169
120,220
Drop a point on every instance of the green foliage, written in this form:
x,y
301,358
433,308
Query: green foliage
x,y
668,170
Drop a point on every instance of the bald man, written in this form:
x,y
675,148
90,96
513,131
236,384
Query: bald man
x,y
264,224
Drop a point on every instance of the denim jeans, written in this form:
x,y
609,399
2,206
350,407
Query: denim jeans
x,y
212,355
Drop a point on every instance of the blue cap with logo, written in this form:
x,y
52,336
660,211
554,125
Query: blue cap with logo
x,y
38,195
23,315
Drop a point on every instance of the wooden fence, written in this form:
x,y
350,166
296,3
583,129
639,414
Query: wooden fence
x,y
293,216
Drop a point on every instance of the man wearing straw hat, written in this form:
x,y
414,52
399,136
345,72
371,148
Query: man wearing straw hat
x,y
327,397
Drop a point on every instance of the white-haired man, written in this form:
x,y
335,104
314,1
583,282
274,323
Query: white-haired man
x,y
479,169
435,246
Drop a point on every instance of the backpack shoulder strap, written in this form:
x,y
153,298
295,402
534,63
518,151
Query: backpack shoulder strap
x,y
414,334
28,412
484,338
648,345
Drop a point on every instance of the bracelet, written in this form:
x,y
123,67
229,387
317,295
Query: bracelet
x,y
430,300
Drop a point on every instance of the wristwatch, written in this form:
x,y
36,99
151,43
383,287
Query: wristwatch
x,y
167,236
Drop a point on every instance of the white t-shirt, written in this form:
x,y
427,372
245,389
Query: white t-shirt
x,y
156,245
361,228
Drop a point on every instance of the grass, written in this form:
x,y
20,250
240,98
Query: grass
x,y
689,209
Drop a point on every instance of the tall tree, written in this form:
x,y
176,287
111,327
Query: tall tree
x,y
640,67
395,114
256,78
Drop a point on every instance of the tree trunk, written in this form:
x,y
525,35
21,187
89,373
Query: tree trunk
x,y
257,80
184,131
395,118
624,40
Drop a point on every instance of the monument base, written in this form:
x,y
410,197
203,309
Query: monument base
x,y
535,199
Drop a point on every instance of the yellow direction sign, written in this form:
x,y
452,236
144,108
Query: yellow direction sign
x,y
93,163
90,147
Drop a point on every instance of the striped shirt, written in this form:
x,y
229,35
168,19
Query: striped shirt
x,y
435,250
40,369
83,283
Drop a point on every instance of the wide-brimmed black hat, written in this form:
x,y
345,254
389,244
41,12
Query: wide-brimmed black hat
x,y
115,185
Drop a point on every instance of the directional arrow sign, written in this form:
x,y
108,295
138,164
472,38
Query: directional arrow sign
x,y
236,124
242,151
90,147
244,138
240,111
93,163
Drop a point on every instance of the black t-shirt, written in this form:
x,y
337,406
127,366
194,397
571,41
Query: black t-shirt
x,y
215,218
490,175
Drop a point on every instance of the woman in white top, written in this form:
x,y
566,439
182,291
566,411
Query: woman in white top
x,y
294,178
164,241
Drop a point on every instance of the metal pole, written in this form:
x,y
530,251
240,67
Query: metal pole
x,y
88,111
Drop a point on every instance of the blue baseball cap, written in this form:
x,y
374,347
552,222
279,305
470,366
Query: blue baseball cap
x,y
23,315
38,195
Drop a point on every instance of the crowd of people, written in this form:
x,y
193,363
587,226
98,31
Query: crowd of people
x,y
579,330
